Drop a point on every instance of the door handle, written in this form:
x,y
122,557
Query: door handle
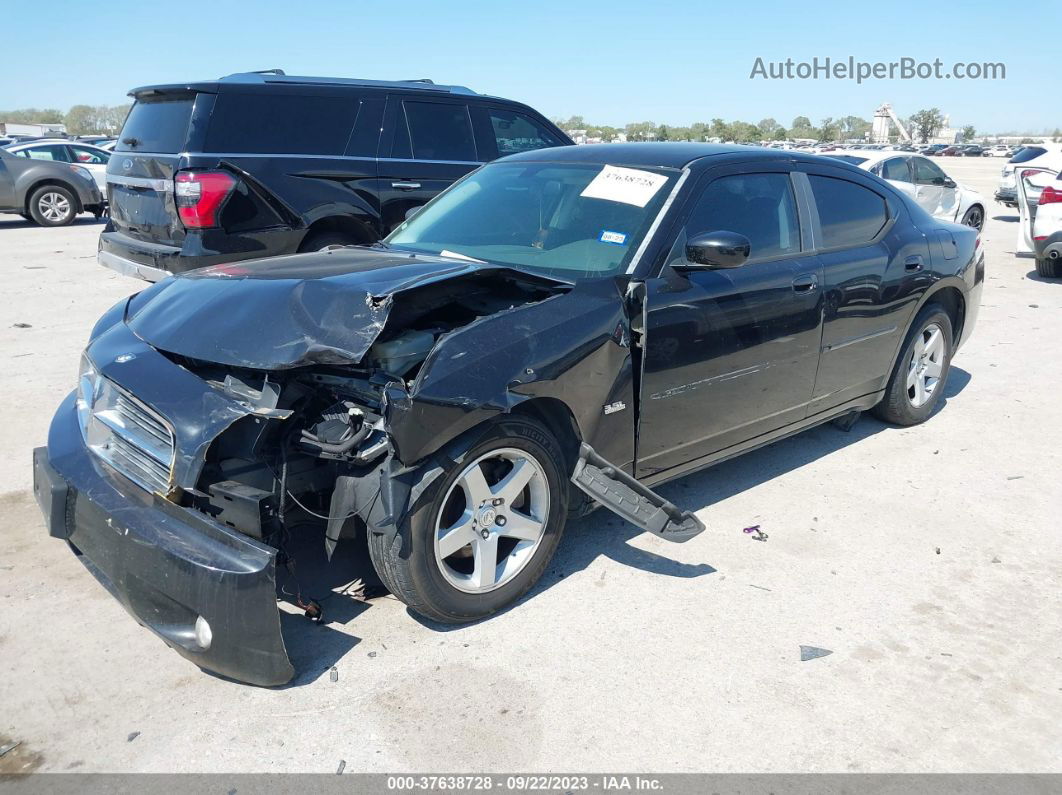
x,y
913,264
805,283
405,185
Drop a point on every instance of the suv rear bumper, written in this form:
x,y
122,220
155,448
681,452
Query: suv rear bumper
x,y
1050,247
169,566
130,257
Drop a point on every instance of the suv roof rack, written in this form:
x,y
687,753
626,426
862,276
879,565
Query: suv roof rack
x,y
278,76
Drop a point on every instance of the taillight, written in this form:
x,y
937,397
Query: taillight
x,y
1050,195
199,196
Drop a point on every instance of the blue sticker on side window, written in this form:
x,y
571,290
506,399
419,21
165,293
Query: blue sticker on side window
x,y
615,238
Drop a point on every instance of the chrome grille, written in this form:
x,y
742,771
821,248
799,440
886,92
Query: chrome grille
x,y
125,432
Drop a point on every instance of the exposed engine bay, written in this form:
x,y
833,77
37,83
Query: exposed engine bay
x,y
308,453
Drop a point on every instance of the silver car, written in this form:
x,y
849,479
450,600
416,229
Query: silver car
x,y
47,192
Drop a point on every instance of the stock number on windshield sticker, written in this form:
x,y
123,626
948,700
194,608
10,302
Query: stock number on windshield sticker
x,y
626,185
615,238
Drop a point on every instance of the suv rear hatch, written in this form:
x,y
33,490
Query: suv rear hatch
x,y
140,174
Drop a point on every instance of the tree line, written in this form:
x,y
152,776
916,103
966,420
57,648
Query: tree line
x,y
922,126
79,120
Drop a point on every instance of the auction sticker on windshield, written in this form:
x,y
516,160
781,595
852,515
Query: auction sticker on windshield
x,y
626,185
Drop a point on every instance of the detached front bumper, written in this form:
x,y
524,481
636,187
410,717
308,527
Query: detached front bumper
x,y
171,567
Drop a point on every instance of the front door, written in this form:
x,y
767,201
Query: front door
x,y
731,354
7,187
933,190
427,145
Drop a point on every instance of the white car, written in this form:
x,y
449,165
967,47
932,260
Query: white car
x,y
1047,222
999,150
922,180
1047,156
91,157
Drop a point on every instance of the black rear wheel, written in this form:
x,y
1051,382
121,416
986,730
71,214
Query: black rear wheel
x,y
1050,268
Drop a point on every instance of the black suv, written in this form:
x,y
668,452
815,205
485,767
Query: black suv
x,y
258,164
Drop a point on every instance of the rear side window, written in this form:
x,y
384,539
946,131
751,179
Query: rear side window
x,y
440,131
54,152
157,125
272,123
1027,154
849,213
515,132
896,170
759,206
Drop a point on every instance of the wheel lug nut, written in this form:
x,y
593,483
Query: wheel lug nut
x,y
500,521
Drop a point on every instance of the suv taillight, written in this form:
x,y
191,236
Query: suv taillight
x,y
1050,195
199,196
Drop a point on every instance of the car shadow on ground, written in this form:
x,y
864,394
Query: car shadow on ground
x,y
1036,277
1007,219
340,587
16,222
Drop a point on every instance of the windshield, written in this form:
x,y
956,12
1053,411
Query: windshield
x,y
567,220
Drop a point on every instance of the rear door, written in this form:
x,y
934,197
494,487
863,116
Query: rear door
x,y
428,143
141,168
873,260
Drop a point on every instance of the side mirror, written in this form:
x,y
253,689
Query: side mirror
x,y
950,183
413,211
711,250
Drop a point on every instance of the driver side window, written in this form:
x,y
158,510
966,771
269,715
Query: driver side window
x,y
927,173
759,206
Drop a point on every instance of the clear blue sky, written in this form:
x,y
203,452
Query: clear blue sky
x,y
611,62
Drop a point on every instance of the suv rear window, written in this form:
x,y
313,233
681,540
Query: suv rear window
x,y
274,123
157,125
1027,154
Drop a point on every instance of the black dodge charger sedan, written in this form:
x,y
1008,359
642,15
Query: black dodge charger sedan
x,y
560,329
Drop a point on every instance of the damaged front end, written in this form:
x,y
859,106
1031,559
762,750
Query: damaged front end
x,y
212,424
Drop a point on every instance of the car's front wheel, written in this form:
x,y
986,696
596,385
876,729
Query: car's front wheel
x,y
53,205
483,532
916,385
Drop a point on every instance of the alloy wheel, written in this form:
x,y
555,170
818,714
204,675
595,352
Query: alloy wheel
x,y
54,206
492,520
974,218
926,365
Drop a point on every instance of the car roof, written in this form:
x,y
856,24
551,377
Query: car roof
x,y
277,77
660,154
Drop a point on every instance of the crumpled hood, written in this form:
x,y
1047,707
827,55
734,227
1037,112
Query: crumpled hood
x,y
322,308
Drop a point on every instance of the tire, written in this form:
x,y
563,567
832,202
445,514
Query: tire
x,y
904,402
319,241
53,205
451,589
1050,268
974,217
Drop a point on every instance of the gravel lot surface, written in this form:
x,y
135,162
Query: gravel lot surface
x,y
927,560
